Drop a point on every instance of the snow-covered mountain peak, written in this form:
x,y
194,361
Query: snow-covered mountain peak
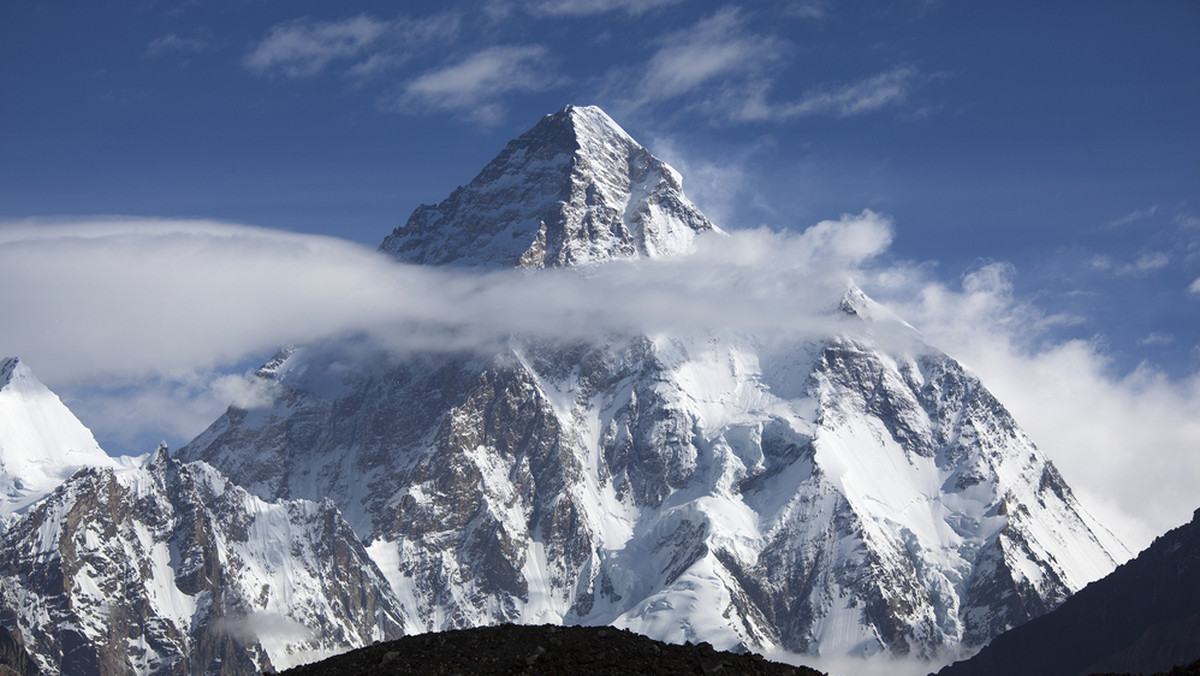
x,y
575,189
41,441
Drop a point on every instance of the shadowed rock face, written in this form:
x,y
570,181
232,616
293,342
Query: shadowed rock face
x,y
549,650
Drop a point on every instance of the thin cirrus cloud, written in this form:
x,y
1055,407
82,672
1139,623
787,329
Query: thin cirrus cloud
x,y
734,68
473,85
592,7
304,48
172,43
717,48
1144,264
882,90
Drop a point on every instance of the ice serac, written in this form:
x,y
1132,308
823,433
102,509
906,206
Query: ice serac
x,y
170,568
41,441
853,495
574,189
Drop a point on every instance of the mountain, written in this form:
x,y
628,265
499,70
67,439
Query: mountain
x,y
855,495
1144,617
170,568
41,441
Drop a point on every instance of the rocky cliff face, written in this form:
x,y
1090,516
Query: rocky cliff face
x,y
170,568
839,496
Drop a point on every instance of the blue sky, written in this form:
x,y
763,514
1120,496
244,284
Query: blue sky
x,y
1037,162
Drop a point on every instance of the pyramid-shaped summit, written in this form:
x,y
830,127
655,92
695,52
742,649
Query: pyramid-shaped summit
x,y
574,189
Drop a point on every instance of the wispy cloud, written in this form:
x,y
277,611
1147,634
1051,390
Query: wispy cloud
x,y
716,48
1145,263
724,68
882,90
592,7
1195,286
303,48
473,87
1133,217
1156,338
808,9
172,43
364,45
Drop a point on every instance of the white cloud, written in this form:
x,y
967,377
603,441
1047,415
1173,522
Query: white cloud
x,y
473,86
716,48
1133,217
1195,286
164,311
888,88
1186,220
1156,338
592,7
173,43
150,298
302,48
1145,263
809,9
728,71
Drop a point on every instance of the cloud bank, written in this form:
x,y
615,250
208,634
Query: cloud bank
x,y
151,322
150,298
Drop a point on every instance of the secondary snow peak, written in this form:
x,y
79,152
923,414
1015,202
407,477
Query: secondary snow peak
x,y
41,441
574,189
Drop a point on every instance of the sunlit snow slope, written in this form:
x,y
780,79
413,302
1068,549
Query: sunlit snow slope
x,y
41,441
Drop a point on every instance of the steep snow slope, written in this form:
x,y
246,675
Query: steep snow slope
x,y
41,441
574,189
851,495
169,568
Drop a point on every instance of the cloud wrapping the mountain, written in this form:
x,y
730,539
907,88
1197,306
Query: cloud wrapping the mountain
x,y
136,297
147,323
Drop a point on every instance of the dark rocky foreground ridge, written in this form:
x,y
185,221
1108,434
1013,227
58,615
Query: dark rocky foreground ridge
x,y
548,649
